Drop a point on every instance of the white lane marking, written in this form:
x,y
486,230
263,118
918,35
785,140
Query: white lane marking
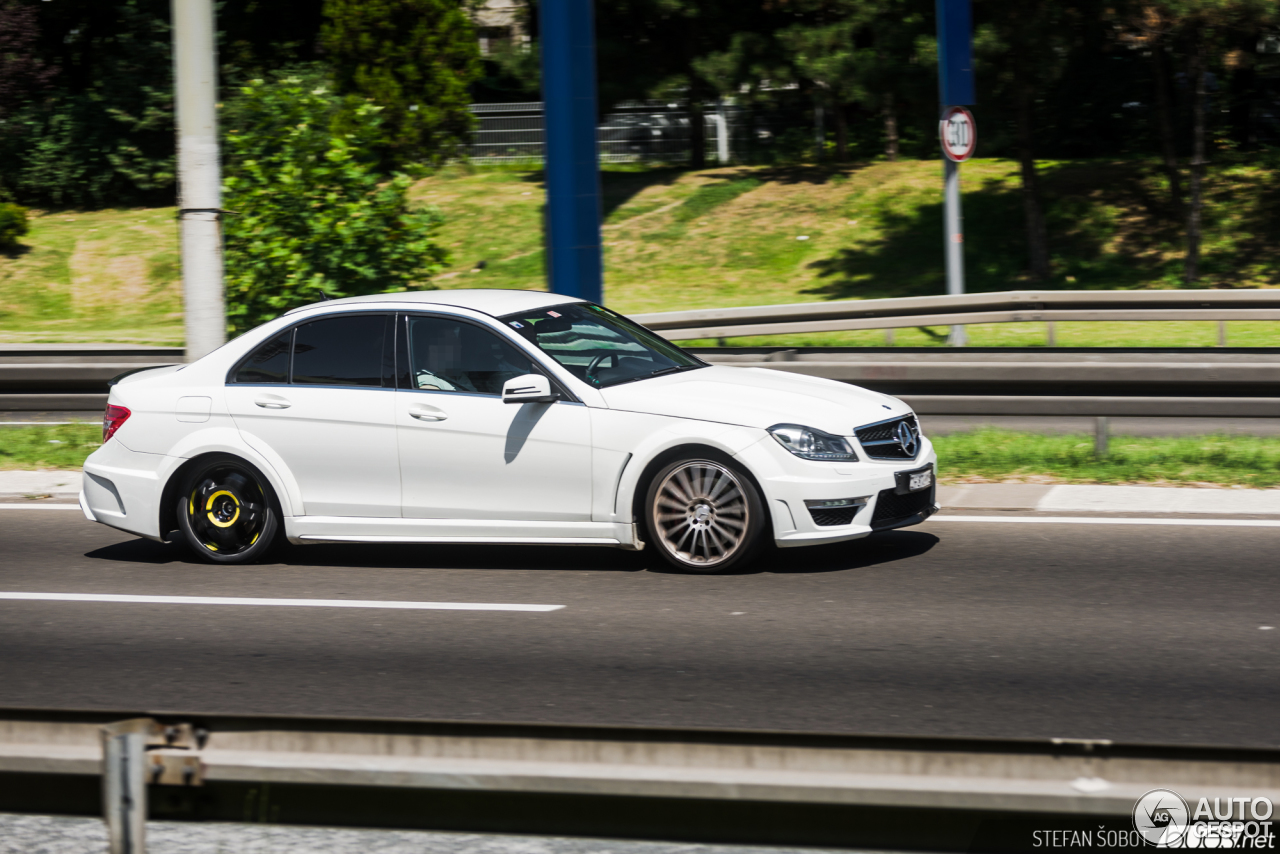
x,y
1111,520
289,603
39,506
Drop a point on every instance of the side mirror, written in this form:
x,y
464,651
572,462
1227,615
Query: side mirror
x,y
530,388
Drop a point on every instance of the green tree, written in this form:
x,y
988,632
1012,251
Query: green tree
x,y
416,59
105,133
1024,45
658,48
313,218
1195,34
861,52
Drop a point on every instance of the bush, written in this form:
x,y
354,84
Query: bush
x,y
311,216
13,224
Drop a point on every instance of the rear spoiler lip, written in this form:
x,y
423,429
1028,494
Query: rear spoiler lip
x,y
111,383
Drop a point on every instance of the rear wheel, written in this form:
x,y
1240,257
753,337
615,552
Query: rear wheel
x,y
704,515
225,513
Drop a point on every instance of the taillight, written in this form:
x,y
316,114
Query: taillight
x,y
112,420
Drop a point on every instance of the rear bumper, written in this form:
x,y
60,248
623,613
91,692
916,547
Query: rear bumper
x,y
122,488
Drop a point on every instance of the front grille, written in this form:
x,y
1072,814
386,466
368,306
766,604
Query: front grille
x,y
882,442
833,515
893,509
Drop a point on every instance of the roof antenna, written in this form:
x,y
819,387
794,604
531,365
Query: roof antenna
x,y
323,294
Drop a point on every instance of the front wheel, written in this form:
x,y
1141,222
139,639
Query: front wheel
x,y
225,514
704,515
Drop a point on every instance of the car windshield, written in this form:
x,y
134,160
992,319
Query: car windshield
x,y
599,346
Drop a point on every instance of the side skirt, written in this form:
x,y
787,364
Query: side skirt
x,y
353,529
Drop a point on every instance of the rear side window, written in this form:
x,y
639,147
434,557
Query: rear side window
x,y
348,350
269,363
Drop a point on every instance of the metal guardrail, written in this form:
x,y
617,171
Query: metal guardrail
x,y
966,309
1206,383
936,793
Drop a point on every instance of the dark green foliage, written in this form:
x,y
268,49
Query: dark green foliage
x,y
105,135
24,74
13,224
415,59
313,218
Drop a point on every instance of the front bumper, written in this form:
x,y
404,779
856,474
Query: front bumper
x,y
788,482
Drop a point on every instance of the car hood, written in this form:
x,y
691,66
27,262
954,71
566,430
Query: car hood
x,y
756,397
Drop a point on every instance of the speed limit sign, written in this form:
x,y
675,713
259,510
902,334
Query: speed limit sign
x,y
959,134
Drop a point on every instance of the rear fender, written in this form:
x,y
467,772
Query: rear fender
x,y
228,440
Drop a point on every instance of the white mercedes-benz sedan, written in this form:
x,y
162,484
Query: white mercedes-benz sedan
x,y
497,416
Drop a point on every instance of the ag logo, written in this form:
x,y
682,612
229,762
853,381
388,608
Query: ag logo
x,y
907,438
1161,817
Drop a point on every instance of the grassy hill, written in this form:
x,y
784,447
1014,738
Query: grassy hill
x,y
730,236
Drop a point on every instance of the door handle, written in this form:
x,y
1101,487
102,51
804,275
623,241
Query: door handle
x,y
423,413
272,402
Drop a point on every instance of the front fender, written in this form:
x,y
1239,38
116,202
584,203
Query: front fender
x,y
645,438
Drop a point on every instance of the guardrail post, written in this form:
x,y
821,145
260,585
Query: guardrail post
x,y
1222,333
1051,334
888,337
124,786
1101,436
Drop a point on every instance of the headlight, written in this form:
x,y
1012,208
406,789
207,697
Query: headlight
x,y
810,444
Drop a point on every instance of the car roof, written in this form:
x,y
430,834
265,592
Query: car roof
x,y
494,301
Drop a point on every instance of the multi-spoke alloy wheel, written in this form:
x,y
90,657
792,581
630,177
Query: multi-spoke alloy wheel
x,y
703,515
225,514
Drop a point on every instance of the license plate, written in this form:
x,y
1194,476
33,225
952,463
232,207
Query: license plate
x,y
920,480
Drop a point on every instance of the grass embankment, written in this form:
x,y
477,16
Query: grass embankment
x,y
983,455
1002,455
62,446
110,275
733,236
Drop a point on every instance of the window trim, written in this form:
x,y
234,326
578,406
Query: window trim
x,y
293,337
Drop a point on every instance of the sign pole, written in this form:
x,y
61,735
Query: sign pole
x,y
954,234
957,133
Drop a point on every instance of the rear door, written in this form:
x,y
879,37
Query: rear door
x,y
321,399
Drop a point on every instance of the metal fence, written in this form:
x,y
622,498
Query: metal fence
x,y
791,788
636,131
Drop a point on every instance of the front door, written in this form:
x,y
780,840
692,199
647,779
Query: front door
x,y
464,454
321,399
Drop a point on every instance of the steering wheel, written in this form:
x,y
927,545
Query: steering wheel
x,y
595,363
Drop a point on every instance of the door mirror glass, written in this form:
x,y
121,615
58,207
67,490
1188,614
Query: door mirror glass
x,y
530,388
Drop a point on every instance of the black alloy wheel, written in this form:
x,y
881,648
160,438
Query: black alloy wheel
x,y
704,515
225,512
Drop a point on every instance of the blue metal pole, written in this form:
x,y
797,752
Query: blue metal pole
x,y
575,266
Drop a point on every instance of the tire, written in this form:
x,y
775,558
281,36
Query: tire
x,y
226,512
703,514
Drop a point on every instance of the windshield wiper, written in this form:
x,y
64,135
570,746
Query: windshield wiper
x,y
662,371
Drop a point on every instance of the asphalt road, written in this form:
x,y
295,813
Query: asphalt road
x,y
1084,631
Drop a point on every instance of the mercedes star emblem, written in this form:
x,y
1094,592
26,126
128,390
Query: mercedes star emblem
x,y
907,438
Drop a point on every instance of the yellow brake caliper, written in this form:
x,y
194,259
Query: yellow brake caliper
x,y
214,519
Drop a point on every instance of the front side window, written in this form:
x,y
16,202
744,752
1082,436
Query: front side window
x,y
450,355
599,346
344,350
